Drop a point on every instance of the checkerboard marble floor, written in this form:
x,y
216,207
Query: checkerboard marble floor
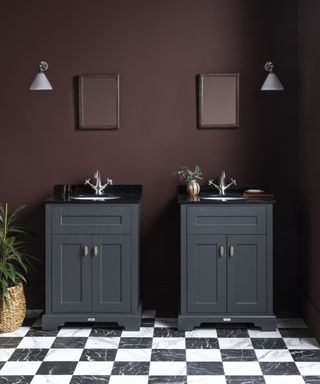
x,y
159,353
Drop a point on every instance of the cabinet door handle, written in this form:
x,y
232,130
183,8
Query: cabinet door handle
x,y
221,250
85,250
95,250
231,250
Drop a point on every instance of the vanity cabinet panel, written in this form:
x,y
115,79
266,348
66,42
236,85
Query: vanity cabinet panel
x,y
92,264
111,266
226,264
206,273
71,271
91,220
226,219
247,266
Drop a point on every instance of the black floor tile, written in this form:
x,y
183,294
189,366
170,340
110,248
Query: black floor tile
x,y
245,380
232,332
238,355
90,379
295,332
311,379
306,355
57,368
69,342
38,332
135,342
204,368
103,332
279,369
9,342
30,354
168,355
168,332
130,368
167,380
268,343
98,355
201,343
16,379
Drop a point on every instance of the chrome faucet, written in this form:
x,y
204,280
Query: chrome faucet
x,y
222,187
98,187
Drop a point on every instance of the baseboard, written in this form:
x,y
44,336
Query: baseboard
x,y
310,314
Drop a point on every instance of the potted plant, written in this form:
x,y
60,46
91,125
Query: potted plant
x,y
14,263
191,177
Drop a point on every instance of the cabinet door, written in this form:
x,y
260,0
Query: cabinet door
x,y
206,273
247,270
71,280
111,273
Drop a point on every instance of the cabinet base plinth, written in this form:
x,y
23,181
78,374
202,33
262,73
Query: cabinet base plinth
x,y
131,322
188,322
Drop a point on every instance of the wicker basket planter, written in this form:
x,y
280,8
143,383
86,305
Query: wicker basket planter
x,y
13,312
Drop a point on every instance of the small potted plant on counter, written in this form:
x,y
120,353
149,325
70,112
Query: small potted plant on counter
x,y
191,177
14,264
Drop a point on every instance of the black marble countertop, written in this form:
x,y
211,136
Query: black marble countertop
x,y
129,194
184,198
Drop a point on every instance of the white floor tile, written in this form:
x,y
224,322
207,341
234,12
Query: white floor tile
x,y
133,354
168,343
194,379
267,335
149,314
202,333
277,379
127,379
74,332
64,354
167,368
235,343
243,368
302,343
21,368
94,368
203,355
166,322
51,379
273,355
309,368
21,332
291,323
36,342
143,332
102,342
5,353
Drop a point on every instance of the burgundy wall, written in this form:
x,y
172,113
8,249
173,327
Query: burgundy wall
x,y
157,47
309,62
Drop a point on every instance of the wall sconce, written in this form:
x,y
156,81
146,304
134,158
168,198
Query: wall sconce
x,y
41,81
272,82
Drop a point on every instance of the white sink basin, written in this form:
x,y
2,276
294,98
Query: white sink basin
x,y
95,198
222,198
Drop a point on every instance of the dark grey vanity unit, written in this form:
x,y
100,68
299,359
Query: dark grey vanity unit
x,y
226,262
92,260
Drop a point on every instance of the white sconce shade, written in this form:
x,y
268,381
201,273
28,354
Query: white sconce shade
x,y
41,81
272,82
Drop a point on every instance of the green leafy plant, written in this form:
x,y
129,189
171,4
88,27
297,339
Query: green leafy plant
x,y
187,174
14,261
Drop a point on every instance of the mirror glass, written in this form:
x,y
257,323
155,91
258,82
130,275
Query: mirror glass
x,y
218,100
99,101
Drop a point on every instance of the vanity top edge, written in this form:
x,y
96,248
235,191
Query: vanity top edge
x,y
126,194
183,198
